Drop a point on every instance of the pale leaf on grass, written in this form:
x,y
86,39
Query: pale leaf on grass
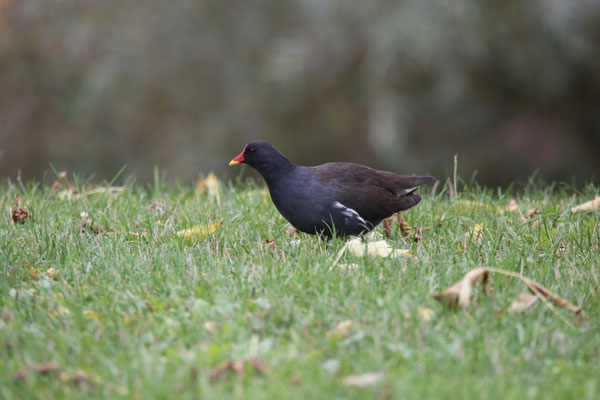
x,y
210,326
459,294
364,380
291,231
349,267
374,249
513,206
523,302
341,329
531,214
592,205
198,232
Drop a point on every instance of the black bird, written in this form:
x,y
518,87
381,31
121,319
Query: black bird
x,y
336,198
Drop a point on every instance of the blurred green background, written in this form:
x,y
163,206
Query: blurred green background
x,y
512,86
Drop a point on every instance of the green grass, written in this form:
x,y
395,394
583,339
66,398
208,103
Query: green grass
x,y
129,313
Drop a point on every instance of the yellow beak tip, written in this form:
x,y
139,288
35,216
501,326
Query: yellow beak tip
x,y
233,162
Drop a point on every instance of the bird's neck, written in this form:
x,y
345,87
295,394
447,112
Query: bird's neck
x,y
274,168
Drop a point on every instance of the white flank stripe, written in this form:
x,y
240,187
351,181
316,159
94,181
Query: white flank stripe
x,y
350,212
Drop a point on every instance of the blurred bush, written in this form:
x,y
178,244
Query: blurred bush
x,y
512,86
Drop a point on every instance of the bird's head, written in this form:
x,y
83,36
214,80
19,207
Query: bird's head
x,y
262,156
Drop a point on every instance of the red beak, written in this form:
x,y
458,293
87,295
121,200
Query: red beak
x,y
238,159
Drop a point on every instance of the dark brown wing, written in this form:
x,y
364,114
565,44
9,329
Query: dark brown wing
x,y
374,194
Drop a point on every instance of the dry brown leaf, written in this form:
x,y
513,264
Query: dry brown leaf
x,y
68,191
47,367
341,329
33,273
53,273
592,205
558,301
368,379
531,213
62,176
218,371
295,381
270,245
459,294
419,233
78,379
158,207
259,365
19,216
42,369
238,366
522,303
87,226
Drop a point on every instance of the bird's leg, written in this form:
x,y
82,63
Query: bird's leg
x,y
387,226
405,228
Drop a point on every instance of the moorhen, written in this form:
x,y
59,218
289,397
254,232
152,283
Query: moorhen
x,y
336,198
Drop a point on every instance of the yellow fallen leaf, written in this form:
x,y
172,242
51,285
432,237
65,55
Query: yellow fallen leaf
x,y
198,232
63,310
476,234
211,185
592,205
90,314
426,313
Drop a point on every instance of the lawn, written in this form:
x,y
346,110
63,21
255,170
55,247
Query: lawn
x,y
99,298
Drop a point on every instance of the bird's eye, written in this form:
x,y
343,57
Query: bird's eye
x,y
251,149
